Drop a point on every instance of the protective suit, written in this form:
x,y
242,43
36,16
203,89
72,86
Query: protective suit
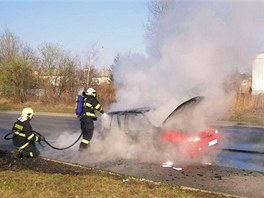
x,y
90,104
24,137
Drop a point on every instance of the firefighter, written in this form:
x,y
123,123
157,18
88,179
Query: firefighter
x,y
24,136
90,104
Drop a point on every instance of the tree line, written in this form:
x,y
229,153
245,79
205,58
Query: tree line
x,y
49,74
52,72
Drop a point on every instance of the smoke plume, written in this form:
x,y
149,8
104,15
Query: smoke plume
x,y
193,49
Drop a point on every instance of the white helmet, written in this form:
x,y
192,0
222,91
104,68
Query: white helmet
x,y
27,113
91,92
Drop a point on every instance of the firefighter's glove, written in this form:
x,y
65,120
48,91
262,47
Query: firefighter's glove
x,y
42,138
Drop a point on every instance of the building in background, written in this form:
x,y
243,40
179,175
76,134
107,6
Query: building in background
x,y
246,86
102,76
258,75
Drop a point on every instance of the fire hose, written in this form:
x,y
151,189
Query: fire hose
x,y
11,135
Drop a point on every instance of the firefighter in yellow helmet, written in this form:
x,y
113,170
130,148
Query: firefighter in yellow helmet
x,y
24,136
90,104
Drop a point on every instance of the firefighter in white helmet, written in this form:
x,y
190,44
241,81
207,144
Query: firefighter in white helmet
x,y
90,104
24,136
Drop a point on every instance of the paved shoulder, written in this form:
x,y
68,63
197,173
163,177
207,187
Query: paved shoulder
x,y
213,178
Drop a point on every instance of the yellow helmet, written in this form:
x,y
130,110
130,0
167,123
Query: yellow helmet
x,y
27,113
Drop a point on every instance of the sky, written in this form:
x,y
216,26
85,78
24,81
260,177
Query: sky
x,y
113,26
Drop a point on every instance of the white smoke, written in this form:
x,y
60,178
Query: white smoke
x,y
198,46
64,140
115,144
194,49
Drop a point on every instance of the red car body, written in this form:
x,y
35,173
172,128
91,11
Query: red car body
x,y
183,133
178,129
192,144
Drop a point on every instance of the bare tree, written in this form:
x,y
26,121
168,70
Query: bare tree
x,y
92,56
10,46
57,70
157,9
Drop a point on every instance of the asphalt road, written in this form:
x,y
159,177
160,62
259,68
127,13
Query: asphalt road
x,y
242,138
234,173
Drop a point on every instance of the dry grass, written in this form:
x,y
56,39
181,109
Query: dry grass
x,y
64,104
4,104
41,177
248,108
38,104
30,184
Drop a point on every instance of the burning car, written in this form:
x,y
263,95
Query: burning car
x,y
185,129
182,129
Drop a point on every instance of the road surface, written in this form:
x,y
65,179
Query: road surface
x,y
233,173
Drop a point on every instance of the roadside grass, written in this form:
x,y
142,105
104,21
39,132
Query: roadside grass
x,y
247,108
38,105
31,184
43,177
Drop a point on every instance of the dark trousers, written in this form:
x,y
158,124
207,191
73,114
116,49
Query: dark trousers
x,y
29,151
87,126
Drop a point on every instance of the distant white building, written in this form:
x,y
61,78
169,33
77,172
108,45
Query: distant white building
x,y
258,75
246,86
102,76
